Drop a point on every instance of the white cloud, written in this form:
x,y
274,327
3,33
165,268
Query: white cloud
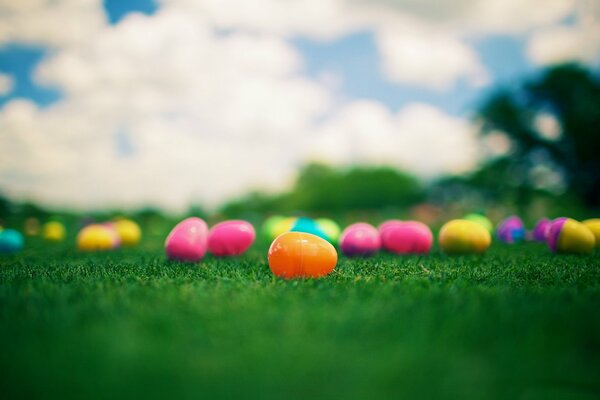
x,y
212,101
6,84
579,41
419,137
208,116
50,22
424,57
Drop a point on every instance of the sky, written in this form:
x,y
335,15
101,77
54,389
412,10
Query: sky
x,y
167,103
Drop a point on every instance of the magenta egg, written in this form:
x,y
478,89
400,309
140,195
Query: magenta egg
x,y
406,237
540,232
388,223
116,239
230,238
360,239
187,241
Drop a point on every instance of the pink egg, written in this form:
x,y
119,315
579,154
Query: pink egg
x,y
187,241
388,223
406,237
230,238
116,239
360,239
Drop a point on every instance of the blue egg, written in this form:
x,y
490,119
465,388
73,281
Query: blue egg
x,y
307,225
11,241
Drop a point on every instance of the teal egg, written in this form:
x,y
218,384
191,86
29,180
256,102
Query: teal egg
x,y
11,241
308,225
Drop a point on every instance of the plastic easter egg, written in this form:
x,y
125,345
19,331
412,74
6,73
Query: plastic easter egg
x,y
11,241
53,231
308,225
481,220
389,223
301,255
360,239
95,237
511,230
406,237
460,236
540,231
284,225
231,238
187,240
112,228
32,226
330,228
594,226
566,235
129,232
269,226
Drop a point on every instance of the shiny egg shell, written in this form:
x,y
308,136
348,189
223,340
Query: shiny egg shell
x,y
129,232
11,241
230,238
594,226
406,237
566,235
53,231
360,239
540,231
301,255
187,241
511,230
96,237
460,236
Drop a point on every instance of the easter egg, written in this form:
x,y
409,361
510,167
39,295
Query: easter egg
x,y
11,241
387,224
32,226
308,225
284,225
116,239
330,228
187,241
96,237
540,231
406,237
511,230
481,220
269,226
301,255
460,236
566,235
360,239
230,238
53,231
594,226
129,232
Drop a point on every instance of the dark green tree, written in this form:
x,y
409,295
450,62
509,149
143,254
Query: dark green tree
x,y
570,93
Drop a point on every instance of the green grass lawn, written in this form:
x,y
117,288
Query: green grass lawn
x,y
516,323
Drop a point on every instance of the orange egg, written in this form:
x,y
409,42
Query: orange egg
x,y
301,255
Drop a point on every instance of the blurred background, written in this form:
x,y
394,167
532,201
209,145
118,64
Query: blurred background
x,y
352,109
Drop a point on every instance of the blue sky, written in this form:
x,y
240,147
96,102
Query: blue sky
x,y
128,103
354,58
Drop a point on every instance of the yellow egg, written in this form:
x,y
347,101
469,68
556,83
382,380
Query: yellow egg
x,y
283,226
330,228
594,226
566,235
54,231
460,236
95,237
129,232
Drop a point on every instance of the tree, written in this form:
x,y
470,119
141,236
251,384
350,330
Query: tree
x,y
570,94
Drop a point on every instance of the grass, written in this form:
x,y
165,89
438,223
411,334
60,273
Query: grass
x,y
516,323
